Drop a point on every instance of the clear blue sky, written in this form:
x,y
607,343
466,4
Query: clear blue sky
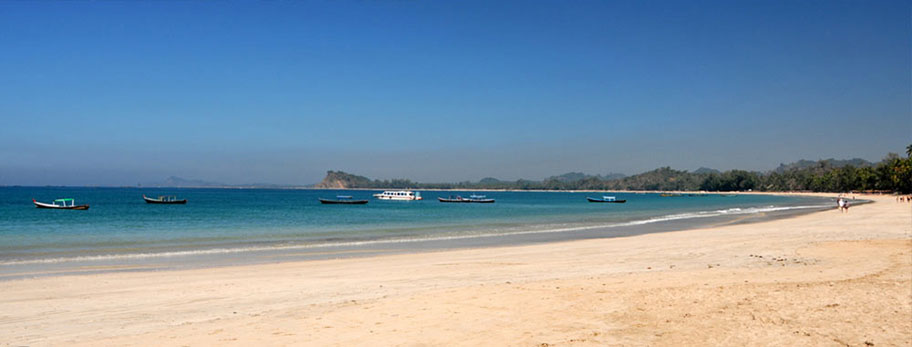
x,y
113,93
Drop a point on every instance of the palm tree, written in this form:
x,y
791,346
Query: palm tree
x,y
909,151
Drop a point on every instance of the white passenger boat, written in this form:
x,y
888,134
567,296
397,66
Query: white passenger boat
x,y
398,195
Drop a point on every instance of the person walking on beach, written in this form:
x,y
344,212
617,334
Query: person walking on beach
x,y
841,204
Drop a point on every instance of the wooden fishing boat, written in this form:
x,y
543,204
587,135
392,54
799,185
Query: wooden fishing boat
x,y
65,204
164,199
342,200
452,198
478,199
609,199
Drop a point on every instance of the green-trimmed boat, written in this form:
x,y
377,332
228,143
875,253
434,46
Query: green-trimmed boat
x,y
164,199
65,204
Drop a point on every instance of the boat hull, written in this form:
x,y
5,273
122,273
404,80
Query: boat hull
x,y
467,201
607,201
156,201
452,200
399,198
57,207
342,202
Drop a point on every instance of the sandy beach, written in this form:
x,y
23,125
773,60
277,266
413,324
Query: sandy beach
x,y
824,278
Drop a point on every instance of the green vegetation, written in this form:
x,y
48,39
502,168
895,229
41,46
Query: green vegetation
x,y
893,174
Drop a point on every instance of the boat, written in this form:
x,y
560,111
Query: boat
x,y
164,199
342,200
606,198
63,205
669,194
479,199
398,195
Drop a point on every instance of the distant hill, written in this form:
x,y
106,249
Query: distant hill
x,y
664,178
613,176
706,170
894,173
489,180
578,176
342,180
823,164
569,177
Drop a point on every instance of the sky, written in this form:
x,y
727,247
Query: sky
x,y
120,93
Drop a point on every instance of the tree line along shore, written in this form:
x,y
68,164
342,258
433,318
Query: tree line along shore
x,y
891,175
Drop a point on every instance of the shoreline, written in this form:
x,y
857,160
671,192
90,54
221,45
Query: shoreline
x,y
153,261
245,253
691,286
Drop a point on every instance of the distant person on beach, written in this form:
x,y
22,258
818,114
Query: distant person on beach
x,y
840,203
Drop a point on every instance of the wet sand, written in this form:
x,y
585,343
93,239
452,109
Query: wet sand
x,y
819,279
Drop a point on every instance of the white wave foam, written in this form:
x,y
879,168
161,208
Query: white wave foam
x,y
217,251
716,213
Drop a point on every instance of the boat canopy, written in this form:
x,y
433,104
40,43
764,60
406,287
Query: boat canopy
x,y
343,197
63,200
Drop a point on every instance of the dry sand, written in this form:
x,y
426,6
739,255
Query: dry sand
x,y
820,279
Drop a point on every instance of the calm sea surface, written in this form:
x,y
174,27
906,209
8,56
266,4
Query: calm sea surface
x,y
231,226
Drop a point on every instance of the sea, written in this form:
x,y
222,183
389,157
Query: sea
x,y
224,227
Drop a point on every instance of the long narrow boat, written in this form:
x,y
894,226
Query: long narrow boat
x,y
478,199
165,199
609,199
342,200
63,205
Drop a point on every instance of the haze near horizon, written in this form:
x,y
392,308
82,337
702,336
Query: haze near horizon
x,y
111,93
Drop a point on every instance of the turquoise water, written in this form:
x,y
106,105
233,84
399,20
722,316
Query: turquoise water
x,y
239,224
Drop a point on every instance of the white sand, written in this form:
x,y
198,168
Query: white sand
x,y
820,279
